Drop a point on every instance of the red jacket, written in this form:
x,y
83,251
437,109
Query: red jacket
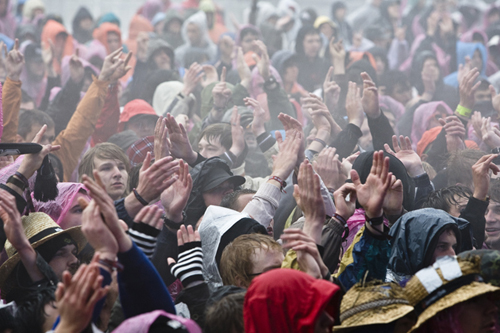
x,y
287,300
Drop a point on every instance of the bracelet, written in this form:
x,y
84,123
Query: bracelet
x,y
281,181
342,220
112,265
17,182
139,198
320,141
463,111
22,178
375,221
172,224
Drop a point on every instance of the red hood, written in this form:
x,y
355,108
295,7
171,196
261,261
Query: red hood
x,y
287,300
101,33
134,108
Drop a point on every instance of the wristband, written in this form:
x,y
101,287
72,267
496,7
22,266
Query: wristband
x,y
174,225
112,265
463,111
342,220
281,181
375,221
17,182
189,266
22,178
139,198
320,141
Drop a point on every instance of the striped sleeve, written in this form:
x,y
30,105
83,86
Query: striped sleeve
x,y
144,236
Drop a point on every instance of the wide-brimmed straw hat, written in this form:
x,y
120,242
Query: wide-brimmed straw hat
x,y
449,281
372,303
38,228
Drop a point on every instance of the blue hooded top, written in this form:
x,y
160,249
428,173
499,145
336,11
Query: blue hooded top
x,y
464,50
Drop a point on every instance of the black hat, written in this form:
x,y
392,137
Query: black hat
x,y
217,176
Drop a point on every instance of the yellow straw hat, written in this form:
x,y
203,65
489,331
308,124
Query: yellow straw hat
x,y
372,303
38,228
447,282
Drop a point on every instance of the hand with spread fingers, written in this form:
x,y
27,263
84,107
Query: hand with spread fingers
x,y
156,178
77,295
344,207
372,193
175,198
405,153
221,95
455,133
150,215
180,147
354,106
467,87
489,134
192,78
237,133
114,68
286,159
244,71
331,91
262,63
290,124
329,168
258,123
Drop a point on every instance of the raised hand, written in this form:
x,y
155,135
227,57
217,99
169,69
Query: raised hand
x,y
287,156
308,256
114,68
290,124
370,97
393,202
77,295
209,75
175,198
354,106
338,56
490,134
76,70
156,178
455,133
263,62
244,71
48,57
467,87
329,168
32,162
161,143
406,155
477,121
481,175
237,133
107,211
331,91
226,47
192,78
307,194
180,147
344,207
150,215
372,193
495,99
14,61
258,123
221,94
13,226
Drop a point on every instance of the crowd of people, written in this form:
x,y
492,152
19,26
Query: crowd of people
x,y
275,170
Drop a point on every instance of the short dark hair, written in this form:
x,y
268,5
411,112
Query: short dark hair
x,y
393,78
248,31
445,197
230,200
221,131
495,190
28,118
226,315
30,314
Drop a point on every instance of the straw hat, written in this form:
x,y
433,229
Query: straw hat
x,y
449,281
372,303
38,228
